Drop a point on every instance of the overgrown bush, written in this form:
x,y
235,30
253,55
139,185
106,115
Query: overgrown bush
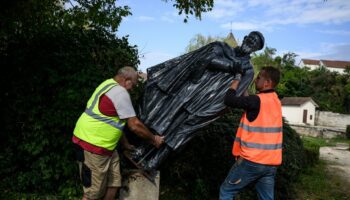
x,y
347,133
312,151
51,70
198,170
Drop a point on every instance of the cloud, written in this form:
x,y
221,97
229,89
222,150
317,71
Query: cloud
x,y
171,17
145,18
335,32
306,55
271,13
152,58
241,26
225,8
219,13
340,51
328,51
167,19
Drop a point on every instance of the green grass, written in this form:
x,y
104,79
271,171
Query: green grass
x,y
316,183
341,140
324,142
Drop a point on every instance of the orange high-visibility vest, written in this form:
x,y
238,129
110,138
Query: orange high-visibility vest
x,y
260,141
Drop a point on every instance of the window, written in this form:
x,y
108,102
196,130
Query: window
x,y
310,117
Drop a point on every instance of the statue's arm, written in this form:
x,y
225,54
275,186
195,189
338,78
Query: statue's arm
x,y
225,65
246,80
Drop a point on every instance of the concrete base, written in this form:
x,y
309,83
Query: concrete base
x,y
136,186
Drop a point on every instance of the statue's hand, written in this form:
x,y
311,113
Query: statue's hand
x,y
237,76
236,67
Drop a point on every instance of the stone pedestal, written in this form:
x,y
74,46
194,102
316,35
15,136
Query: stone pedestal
x,y
136,186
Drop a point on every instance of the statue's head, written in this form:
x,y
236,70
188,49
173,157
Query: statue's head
x,y
253,42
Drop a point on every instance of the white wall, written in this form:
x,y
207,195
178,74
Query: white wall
x,y
332,119
312,67
339,70
294,114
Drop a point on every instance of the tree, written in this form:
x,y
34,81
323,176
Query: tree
x,y
54,57
195,8
266,58
199,41
347,70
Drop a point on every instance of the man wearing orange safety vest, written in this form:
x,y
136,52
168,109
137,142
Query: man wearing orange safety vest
x,y
258,143
99,129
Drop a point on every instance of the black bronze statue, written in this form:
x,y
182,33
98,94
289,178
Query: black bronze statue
x,y
187,93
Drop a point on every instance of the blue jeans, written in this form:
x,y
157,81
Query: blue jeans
x,y
244,172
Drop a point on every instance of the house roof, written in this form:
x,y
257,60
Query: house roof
x,y
336,63
310,62
327,63
231,40
297,101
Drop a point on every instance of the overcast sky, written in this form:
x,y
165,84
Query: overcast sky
x,y
310,28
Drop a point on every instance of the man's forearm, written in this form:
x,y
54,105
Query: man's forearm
x,y
136,126
141,130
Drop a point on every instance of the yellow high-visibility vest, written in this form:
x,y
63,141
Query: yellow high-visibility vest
x,y
96,128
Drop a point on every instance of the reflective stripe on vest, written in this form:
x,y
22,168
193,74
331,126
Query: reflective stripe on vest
x,y
261,129
96,128
260,141
117,125
259,146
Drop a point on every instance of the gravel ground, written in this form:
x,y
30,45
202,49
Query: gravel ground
x,y
338,160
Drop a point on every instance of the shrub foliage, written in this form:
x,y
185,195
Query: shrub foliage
x,y
198,170
52,67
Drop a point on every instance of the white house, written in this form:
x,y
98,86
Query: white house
x,y
331,65
335,65
299,110
312,64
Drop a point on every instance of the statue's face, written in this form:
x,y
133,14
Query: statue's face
x,y
251,43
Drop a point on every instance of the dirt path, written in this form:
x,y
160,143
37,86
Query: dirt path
x,y
338,159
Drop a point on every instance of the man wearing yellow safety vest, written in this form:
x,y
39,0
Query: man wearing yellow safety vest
x,y
99,129
258,143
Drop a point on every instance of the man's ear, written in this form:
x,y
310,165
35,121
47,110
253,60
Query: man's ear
x,y
269,83
128,82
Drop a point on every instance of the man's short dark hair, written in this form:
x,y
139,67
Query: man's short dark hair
x,y
273,74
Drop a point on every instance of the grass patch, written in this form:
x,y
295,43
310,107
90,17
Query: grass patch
x,y
341,140
316,183
322,142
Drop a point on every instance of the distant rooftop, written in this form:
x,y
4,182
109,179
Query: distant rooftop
x,y
327,63
297,101
310,62
231,40
336,63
